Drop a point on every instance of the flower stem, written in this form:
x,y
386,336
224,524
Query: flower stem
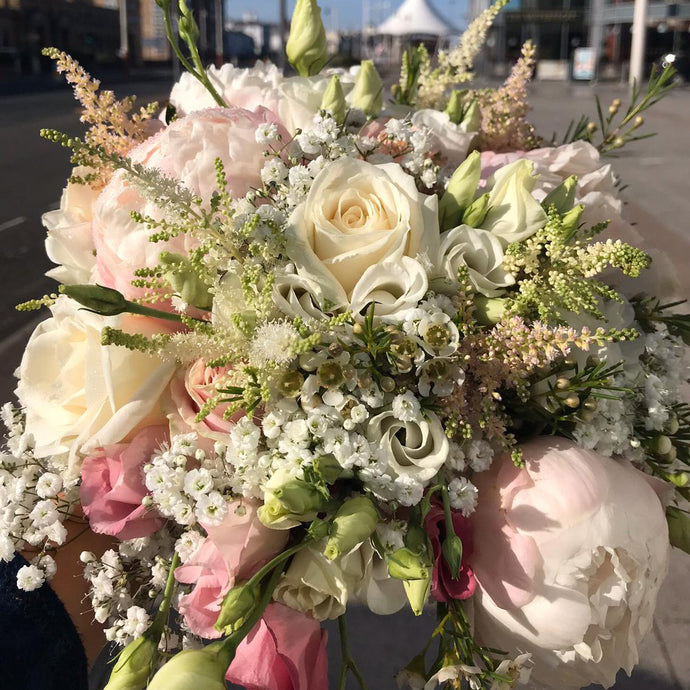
x,y
348,663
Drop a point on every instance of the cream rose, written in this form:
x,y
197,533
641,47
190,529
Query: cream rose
x,y
79,395
69,243
357,215
478,250
322,588
417,449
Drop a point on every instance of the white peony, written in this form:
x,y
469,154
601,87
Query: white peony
x,y
416,449
69,242
77,394
570,553
481,252
357,215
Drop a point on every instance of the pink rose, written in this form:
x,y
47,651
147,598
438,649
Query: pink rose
x,y
570,553
443,586
112,486
186,150
233,550
190,391
286,650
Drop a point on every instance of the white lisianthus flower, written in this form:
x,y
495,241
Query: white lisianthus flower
x,y
570,553
79,395
416,449
355,216
481,252
69,242
514,214
451,141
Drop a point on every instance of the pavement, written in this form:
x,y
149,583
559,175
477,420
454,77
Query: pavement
x,y
657,199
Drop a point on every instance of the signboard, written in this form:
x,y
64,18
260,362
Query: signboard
x,y
584,66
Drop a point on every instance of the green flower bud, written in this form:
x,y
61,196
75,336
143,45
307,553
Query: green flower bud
x,y
96,298
563,196
489,310
186,25
289,501
367,94
476,213
185,280
404,564
460,191
327,468
306,47
472,118
238,604
454,108
133,666
354,522
333,100
417,592
571,219
192,669
452,553
319,529
662,444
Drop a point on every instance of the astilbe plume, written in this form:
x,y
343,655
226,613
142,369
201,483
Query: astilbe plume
x,y
113,127
504,125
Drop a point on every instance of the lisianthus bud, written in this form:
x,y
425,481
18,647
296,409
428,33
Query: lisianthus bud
x,y
354,522
185,280
452,553
192,669
472,118
186,24
306,47
237,606
333,100
289,501
571,219
417,592
454,108
367,94
460,191
563,196
489,310
96,298
476,213
404,564
133,666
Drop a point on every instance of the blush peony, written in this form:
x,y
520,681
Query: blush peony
x,y
570,553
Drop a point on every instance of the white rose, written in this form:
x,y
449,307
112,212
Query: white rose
x,y
239,88
415,449
77,394
69,243
570,553
481,252
355,216
451,141
514,214
322,588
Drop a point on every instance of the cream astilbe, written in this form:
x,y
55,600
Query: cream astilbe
x,y
504,125
112,125
455,66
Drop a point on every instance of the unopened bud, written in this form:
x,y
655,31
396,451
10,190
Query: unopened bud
x,y
404,564
333,100
133,666
96,298
307,48
367,94
354,522
452,553
417,592
192,669
236,608
476,213
327,468
662,444
563,196
489,310
572,401
460,191
185,280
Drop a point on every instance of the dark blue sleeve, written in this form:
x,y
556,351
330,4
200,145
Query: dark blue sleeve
x,y
40,648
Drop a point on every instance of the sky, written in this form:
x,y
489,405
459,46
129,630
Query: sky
x,y
343,14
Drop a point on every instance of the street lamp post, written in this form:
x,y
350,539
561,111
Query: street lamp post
x,y
219,32
124,38
639,40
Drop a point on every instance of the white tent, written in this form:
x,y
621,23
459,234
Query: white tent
x,y
418,18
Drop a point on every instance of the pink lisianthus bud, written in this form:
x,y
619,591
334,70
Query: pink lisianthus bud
x,y
112,486
443,586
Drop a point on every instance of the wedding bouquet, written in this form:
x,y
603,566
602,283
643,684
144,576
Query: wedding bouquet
x,y
313,347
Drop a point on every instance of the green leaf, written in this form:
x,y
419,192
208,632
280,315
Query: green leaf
x,y
678,528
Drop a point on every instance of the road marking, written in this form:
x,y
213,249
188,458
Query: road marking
x,y
12,223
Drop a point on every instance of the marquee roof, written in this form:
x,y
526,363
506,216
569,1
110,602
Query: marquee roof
x,y
416,17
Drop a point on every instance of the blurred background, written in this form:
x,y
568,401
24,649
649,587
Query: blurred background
x,y
584,48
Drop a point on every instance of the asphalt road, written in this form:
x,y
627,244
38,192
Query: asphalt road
x,y
34,171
